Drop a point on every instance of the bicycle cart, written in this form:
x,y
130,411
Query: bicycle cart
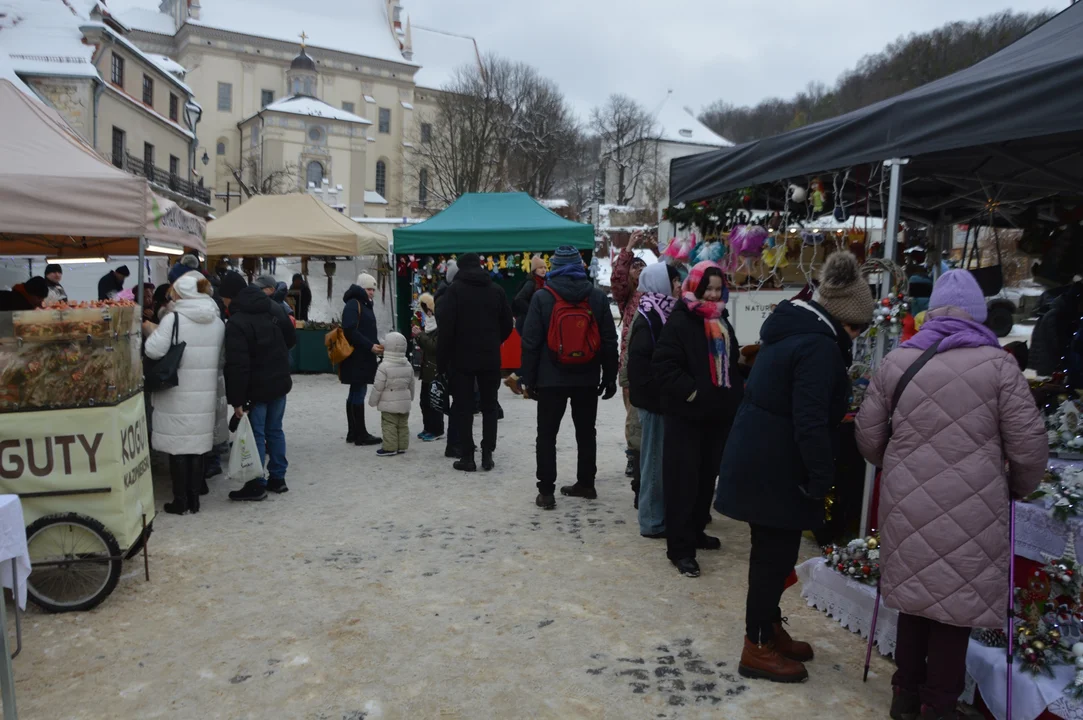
x,y
74,448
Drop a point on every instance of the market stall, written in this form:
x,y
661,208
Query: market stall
x,y
506,229
297,224
71,376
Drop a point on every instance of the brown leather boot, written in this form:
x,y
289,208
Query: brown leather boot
x,y
765,662
788,647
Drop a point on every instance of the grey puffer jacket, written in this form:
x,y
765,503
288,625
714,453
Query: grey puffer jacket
x,y
944,499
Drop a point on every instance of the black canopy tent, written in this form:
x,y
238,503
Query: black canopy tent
x,y
1009,129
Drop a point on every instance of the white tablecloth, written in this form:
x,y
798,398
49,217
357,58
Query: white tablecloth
x,y
13,545
848,601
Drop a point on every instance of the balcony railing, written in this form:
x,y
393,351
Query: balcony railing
x,y
176,183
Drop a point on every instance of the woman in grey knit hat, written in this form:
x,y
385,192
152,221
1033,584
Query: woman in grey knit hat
x,y
779,465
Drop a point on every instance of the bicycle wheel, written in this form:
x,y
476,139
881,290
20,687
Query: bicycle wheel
x,y
84,562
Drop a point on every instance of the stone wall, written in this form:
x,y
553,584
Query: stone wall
x,y
72,98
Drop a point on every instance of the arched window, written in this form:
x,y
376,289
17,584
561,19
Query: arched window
x,y
220,148
381,178
314,174
423,187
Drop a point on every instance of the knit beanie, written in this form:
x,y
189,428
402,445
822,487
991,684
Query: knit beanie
x,y
958,288
177,271
468,261
266,282
232,284
53,268
123,270
366,281
565,255
452,270
536,264
844,291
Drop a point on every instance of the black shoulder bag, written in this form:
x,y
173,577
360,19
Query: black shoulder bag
x,y
905,380
161,374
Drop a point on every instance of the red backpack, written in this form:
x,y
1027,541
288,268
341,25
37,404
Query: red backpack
x,y
574,337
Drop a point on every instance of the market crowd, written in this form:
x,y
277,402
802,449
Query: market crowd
x,y
752,435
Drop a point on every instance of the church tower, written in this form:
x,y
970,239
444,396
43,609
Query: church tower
x,y
302,75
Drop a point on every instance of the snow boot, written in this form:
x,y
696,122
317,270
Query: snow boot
x,y
253,490
361,433
178,476
788,647
905,704
765,662
580,490
351,424
195,482
487,460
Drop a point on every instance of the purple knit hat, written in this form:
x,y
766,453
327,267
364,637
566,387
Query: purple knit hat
x,y
958,288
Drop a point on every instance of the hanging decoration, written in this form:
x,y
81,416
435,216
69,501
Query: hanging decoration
x,y
1061,493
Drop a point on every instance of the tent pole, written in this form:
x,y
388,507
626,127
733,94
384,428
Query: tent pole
x,y
883,287
139,276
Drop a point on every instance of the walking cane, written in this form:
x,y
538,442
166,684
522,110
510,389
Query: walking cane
x,y
1011,600
872,633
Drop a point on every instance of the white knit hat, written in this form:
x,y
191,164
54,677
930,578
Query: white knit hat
x,y
366,281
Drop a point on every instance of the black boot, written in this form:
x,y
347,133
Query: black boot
x,y
635,457
487,460
351,424
195,482
361,433
466,463
178,476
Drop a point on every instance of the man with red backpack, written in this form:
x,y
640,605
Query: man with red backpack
x,y
569,354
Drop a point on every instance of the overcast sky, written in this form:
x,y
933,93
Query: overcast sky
x,y
739,50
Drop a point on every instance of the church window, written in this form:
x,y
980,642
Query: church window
x,y
315,134
385,121
426,133
225,97
423,188
348,107
314,174
381,178
266,97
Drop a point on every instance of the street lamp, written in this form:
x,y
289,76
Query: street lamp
x,y
206,157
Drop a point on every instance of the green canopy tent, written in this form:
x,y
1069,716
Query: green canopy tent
x,y
490,224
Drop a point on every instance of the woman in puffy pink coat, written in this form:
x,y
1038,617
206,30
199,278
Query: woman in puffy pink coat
x,y
944,496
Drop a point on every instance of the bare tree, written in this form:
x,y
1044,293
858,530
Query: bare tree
x,y
629,136
254,179
580,176
497,126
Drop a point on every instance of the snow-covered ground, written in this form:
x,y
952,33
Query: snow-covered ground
x,y
397,588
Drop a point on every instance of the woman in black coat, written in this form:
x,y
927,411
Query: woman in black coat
x,y
696,367
779,464
359,369
660,284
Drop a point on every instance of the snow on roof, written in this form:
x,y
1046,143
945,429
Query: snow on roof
x,y
679,124
440,54
42,37
358,27
169,65
310,106
370,99
555,204
407,105
374,198
149,19
158,61
605,265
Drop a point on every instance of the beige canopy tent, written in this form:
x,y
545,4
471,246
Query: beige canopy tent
x,y
296,224
59,198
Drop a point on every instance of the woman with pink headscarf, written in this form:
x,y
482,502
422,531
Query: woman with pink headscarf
x,y
696,366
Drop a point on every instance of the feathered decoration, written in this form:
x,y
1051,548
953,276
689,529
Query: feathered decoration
x,y
748,240
680,249
713,251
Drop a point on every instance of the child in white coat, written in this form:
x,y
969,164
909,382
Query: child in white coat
x,y
392,394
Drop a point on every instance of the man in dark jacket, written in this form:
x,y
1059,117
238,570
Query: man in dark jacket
x,y
258,339
474,319
303,294
29,295
554,384
112,282
779,465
